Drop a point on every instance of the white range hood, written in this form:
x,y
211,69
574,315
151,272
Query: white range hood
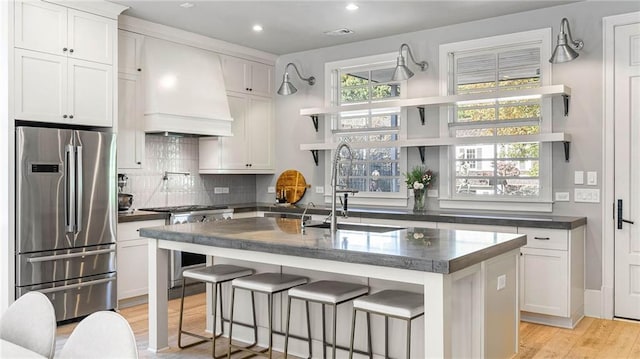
x,y
184,90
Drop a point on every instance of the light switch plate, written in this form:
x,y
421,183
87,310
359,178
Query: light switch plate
x,y
502,281
588,195
271,189
578,177
592,178
220,190
319,189
562,196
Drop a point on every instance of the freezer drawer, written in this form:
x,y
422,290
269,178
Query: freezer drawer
x,y
52,266
78,297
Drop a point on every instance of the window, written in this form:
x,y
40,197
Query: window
x,y
376,171
494,168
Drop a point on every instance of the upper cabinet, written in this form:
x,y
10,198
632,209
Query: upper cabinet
x,y
56,30
63,65
246,76
129,52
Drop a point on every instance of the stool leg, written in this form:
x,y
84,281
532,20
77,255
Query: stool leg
x,y
270,303
306,304
408,338
335,329
181,314
233,294
324,337
221,311
286,333
215,319
369,335
353,332
386,337
255,322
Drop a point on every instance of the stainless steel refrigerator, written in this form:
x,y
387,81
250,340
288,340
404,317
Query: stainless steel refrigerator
x,y
66,218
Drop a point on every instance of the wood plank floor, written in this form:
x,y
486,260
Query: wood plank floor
x,y
592,338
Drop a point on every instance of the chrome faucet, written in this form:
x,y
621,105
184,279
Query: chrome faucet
x,y
302,219
334,183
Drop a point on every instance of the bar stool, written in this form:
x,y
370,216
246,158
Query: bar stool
x,y
269,284
325,292
216,275
397,304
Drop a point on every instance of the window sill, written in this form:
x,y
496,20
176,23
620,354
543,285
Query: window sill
x,y
391,200
503,204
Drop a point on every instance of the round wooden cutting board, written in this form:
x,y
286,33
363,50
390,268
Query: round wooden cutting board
x,y
292,184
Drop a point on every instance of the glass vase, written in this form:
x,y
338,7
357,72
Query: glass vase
x,y
418,200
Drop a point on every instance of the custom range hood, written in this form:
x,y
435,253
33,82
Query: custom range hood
x,y
184,91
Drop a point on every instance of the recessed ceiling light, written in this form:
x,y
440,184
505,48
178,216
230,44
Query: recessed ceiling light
x,y
351,7
257,28
187,5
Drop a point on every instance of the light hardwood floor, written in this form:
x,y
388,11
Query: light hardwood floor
x,y
592,338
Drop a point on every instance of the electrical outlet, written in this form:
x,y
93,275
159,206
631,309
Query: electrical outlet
x,y
588,195
592,178
220,190
578,177
319,189
271,189
225,190
502,281
562,196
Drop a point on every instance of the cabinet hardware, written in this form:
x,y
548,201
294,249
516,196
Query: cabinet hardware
x,y
64,49
542,238
246,89
139,163
71,50
64,116
620,219
139,70
70,116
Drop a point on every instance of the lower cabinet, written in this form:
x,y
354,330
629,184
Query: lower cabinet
x,y
132,260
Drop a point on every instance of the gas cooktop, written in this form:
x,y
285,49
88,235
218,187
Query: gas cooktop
x,y
181,209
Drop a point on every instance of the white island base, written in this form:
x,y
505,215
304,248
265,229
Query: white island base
x,y
471,313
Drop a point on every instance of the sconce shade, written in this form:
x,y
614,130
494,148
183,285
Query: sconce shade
x,y
286,88
401,72
566,46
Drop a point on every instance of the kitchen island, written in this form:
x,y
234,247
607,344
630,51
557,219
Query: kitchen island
x,y
470,279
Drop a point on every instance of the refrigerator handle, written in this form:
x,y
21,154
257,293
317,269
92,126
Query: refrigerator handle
x,y
70,189
79,189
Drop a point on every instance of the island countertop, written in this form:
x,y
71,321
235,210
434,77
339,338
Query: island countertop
x,y
422,249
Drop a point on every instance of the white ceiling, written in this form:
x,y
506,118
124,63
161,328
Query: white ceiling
x,y
292,26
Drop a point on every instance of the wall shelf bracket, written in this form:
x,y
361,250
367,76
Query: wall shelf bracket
x,y
421,151
567,146
565,100
314,118
421,113
314,153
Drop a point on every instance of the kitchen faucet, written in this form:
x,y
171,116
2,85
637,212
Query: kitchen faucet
x,y
302,219
334,184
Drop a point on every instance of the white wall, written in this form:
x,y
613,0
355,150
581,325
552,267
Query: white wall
x,y
584,123
5,264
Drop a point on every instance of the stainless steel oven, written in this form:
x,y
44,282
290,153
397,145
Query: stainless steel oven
x,y
190,214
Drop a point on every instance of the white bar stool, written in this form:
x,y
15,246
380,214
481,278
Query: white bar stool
x,y
325,292
397,304
216,275
269,284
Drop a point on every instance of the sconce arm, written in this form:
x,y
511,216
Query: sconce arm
x,y
310,80
423,64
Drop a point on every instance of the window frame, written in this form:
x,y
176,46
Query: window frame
x,y
448,198
389,199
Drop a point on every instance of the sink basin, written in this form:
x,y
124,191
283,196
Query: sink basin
x,y
356,227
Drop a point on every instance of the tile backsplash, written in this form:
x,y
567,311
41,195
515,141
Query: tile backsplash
x,y
180,154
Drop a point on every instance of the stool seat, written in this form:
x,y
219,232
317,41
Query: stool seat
x,y
328,291
268,282
217,273
397,303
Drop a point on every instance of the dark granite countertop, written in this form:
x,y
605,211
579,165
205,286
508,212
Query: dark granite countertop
x,y
429,250
138,215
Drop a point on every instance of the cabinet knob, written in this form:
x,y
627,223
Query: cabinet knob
x,y
64,116
64,49
139,163
139,70
250,164
71,50
250,89
246,88
70,116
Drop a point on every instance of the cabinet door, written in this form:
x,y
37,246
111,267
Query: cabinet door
x,y
40,26
40,87
90,93
132,266
235,148
260,127
261,79
129,52
130,122
90,37
544,284
236,73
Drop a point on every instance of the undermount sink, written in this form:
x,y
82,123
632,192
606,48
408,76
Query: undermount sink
x,y
357,227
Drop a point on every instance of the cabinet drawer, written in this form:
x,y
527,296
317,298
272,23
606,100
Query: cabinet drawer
x,y
546,238
129,230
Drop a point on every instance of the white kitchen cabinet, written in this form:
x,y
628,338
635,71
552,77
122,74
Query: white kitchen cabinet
x,y
246,76
250,149
552,276
57,30
130,52
131,139
50,88
132,259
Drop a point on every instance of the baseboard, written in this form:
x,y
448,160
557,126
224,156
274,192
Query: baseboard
x,y
593,303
